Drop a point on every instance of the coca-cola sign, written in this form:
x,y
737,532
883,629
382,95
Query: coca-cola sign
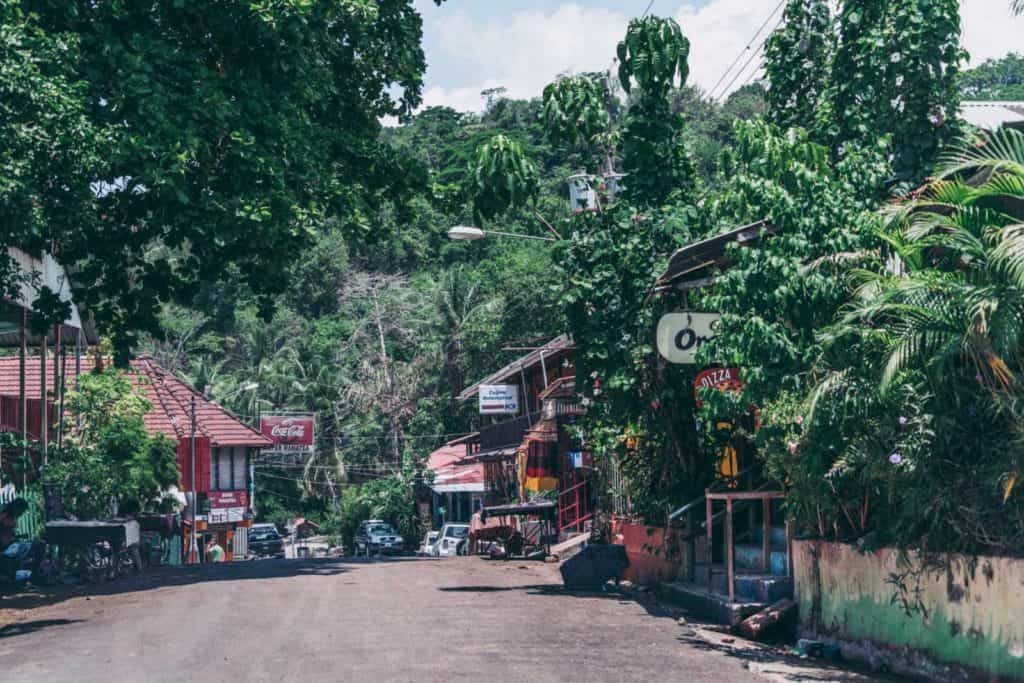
x,y
288,432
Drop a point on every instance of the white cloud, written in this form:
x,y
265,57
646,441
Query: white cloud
x,y
990,29
524,50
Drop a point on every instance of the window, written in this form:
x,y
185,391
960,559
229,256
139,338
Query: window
x,y
229,465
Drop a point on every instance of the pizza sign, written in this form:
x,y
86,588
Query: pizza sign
x,y
722,379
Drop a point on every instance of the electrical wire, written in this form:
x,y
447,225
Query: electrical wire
x,y
711,93
727,90
649,6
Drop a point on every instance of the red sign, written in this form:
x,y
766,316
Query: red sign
x,y
229,499
288,432
723,379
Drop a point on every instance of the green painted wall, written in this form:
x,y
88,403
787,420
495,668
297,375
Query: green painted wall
x,y
960,610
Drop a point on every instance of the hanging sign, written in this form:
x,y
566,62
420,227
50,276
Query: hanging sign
x,y
229,499
288,432
722,379
680,335
499,399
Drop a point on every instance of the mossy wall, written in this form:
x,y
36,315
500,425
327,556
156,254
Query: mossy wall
x,y
966,611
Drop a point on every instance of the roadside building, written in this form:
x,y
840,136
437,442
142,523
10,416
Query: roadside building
x,y
224,445
457,489
526,445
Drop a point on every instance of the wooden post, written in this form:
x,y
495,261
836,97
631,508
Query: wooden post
x,y
22,395
708,552
766,524
789,548
730,569
44,437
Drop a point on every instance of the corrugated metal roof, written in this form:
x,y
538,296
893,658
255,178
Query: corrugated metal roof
x,y
553,349
991,114
171,399
450,474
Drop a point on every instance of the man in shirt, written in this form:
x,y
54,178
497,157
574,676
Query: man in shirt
x,y
214,552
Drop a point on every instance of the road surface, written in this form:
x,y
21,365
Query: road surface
x,y
462,619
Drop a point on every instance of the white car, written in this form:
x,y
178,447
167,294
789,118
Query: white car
x,y
453,540
427,548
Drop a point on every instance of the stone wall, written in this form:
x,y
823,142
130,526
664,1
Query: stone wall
x,y
950,617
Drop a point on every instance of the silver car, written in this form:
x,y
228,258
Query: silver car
x,y
377,536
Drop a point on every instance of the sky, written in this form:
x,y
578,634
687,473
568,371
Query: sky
x,y
522,45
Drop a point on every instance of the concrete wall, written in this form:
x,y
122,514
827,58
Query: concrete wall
x,y
652,557
959,611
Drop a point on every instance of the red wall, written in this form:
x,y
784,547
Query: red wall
x,y
651,560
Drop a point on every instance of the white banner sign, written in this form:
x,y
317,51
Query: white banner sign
x,y
680,335
223,515
499,399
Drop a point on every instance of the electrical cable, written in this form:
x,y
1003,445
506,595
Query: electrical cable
x,y
725,92
711,93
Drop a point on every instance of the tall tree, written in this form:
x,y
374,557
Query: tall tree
x,y
234,129
797,63
652,60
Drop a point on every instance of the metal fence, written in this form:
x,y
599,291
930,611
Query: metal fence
x,y
31,523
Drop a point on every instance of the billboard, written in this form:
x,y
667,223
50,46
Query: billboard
x,y
499,399
288,432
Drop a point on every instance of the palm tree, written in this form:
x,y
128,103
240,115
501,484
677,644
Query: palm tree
x,y
952,302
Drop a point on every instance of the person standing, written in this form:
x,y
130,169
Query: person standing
x,y
214,551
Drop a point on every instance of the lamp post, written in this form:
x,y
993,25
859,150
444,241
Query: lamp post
x,y
192,457
469,233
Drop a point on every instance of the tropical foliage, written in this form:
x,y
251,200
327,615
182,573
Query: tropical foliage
x,y
108,462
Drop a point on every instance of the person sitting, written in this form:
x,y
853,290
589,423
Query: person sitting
x,y
13,553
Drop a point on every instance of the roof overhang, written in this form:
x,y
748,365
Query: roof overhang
x,y
475,487
698,258
35,273
554,348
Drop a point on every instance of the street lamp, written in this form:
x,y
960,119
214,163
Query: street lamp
x,y
471,233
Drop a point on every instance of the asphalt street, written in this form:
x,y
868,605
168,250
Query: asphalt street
x,y
351,620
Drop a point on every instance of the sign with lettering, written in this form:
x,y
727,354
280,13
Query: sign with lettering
x,y
722,379
499,399
680,335
288,432
229,499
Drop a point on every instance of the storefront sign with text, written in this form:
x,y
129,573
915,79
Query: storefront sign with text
x,y
680,335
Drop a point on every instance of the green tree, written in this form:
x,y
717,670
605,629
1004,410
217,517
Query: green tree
x,y
995,79
652,59
108,459
797,63
50,149
231,132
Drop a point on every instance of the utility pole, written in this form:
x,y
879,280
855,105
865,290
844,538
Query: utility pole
x,y
193,545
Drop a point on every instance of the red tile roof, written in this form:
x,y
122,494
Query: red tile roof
x,y
171,399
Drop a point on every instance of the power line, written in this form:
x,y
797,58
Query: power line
x,y
725,75
739,73
649,6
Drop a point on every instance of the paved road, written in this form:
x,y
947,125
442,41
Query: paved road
x,y
329,620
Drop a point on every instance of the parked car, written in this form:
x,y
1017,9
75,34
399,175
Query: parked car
x,y
429,541
453,540
265,541
377,536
